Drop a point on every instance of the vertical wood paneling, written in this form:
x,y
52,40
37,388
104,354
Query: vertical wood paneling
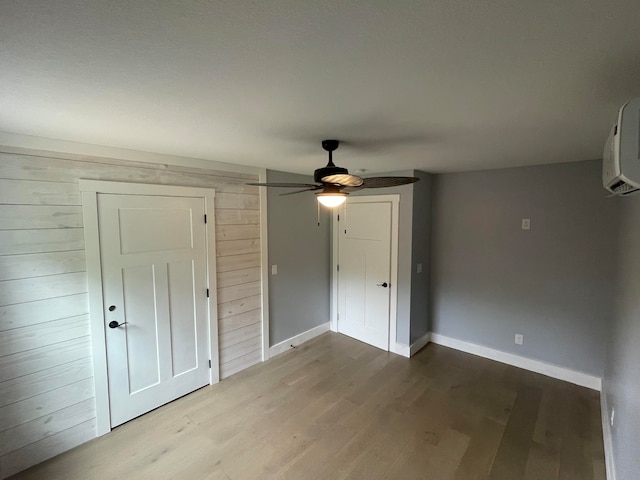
x,y
46,382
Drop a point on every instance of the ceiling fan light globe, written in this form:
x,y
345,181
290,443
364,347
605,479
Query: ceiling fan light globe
x,y
332,200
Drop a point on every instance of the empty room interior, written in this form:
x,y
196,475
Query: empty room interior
x,y
320,240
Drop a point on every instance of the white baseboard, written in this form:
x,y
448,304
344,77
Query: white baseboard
x,y
606,436
550,370
299,339
400,349
419,343
410,350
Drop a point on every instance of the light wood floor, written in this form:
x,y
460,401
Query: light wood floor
x,y
335,408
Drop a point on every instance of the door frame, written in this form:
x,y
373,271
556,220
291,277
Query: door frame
x,y
90,190
394,200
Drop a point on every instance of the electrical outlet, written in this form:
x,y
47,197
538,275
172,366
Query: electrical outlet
x,y
526,224
613,414
419,268
519,339
274,269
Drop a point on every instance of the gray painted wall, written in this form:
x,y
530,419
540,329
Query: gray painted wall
x,y
299,296
403,325
299,293
622,379
420,253
553,283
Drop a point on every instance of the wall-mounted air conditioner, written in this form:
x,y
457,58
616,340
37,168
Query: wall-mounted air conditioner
x,y
621,158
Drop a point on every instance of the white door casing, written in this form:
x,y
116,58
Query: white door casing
x,y
156,274
365,260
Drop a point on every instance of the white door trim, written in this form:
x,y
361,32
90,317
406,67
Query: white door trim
x,y
90,190
264,262
394,199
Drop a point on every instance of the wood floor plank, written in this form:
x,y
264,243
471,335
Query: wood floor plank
x,y
478,458
340,409
512,455
542,463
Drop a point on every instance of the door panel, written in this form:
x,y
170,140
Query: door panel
x,y
154,229
365,264
153,255
184,333
141,340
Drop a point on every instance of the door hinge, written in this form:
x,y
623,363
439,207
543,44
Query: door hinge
x,y
209,363
205,218
338,217
338,267
207,293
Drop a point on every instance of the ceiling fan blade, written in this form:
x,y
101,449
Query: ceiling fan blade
x,y
344,180
285,185
314,187
381,182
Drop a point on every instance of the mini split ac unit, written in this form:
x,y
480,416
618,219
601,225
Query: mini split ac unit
x,y
621,157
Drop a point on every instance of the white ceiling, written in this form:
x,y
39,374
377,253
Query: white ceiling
x,y
440,85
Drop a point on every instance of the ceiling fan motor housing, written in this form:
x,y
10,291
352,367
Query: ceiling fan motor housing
x,y
320,173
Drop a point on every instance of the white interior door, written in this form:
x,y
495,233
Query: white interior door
x,y
364,260
154,276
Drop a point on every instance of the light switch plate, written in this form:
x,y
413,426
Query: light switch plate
x,y
274,269
526,224
419,268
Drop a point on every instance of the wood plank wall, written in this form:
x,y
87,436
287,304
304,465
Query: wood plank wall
x,y
46,377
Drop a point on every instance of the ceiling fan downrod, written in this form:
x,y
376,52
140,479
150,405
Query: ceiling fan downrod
x,y
330,169
330,146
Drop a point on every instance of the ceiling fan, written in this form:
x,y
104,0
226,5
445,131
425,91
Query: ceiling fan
x,y
335,182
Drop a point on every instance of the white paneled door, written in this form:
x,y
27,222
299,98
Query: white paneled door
x,y
364,259
154,276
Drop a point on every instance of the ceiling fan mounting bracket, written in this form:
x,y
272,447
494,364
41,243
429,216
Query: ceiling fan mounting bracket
x,y
330,145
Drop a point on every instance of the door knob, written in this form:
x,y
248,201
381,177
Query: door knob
x,y
383,285
114,324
